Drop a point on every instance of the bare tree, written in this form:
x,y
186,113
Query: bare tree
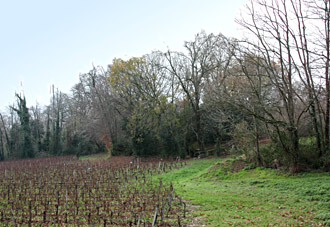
x,y
319,20
5,132
93,114
205,56
283,34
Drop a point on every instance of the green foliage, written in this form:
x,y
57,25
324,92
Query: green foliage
x,y
46,141
26,149
274,156
147,145
172,144
89,147
123,147
142,103
309,153
56,143
37,132
81,145
150,121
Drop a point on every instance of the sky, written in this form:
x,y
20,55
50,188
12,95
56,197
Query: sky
x,y
45,42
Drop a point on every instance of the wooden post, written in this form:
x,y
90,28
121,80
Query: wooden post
x,y
155,218
139,221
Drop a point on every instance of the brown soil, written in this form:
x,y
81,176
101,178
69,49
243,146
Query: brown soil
x,y
265,141
237,166
195,221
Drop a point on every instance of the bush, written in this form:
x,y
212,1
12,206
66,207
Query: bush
x,y
309,153
123,147
274,156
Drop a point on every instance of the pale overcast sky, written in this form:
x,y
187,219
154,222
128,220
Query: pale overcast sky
x,y
45,42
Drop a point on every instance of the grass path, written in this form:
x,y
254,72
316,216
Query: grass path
x,y
259,197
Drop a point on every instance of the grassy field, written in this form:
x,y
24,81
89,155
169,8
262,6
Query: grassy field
x,y
223,196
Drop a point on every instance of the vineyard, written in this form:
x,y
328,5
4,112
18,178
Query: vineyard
x,y
65,191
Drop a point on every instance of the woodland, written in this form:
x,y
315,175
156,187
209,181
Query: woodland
x,y
265,97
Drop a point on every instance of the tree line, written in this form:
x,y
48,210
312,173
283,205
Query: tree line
x,y
266,96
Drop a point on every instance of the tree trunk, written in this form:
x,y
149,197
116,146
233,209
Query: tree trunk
x,y
2,156
327,82
295,149
257,137
316,127
6,135
199,132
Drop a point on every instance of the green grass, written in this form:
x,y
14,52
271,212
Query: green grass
x,y
257,197
94,157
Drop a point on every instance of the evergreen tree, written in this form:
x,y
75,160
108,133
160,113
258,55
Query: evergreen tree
x,y
26,148
46,141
